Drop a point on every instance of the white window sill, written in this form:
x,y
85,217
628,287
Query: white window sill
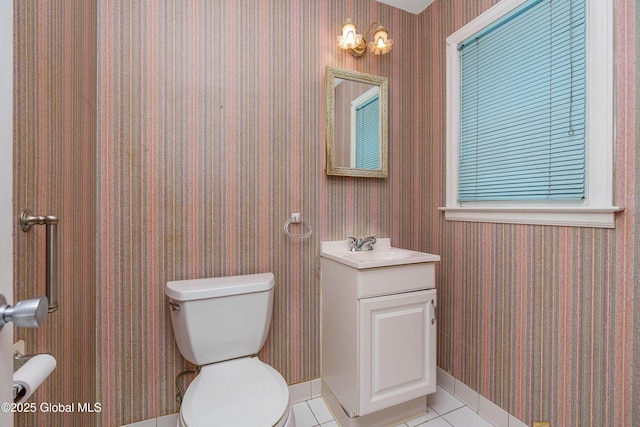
x,y
561,216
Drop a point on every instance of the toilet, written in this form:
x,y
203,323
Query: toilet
x,y
220,324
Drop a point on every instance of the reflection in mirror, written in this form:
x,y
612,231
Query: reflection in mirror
x,y
356,124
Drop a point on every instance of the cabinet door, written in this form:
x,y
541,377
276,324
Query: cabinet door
x,y
397,346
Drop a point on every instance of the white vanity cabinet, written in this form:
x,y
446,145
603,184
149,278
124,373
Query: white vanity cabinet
x,y
397,349
378,330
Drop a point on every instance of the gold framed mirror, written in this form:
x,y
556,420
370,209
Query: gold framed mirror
x,y
357,123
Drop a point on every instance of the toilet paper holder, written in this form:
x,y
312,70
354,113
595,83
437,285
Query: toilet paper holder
x,y
19,360
29,382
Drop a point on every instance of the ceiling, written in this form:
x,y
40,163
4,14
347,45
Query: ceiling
x,y
413,6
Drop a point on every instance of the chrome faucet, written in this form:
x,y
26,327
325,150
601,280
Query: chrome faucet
x,y
365,244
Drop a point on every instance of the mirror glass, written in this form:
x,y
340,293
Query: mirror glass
x,y
356,123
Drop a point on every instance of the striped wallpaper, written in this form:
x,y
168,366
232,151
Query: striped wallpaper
x,y
543,321
54,173
211,133
202,128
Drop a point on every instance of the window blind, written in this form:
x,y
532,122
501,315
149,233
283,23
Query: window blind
x,y
368,134
522,130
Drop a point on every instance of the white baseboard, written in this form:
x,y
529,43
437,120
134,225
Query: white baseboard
x,y
476,402
305,391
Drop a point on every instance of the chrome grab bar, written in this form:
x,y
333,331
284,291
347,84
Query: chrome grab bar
x,y
27,220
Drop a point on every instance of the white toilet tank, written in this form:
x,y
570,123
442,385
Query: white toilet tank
x,y
221,318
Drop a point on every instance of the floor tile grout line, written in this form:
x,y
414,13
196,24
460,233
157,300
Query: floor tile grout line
x,y
312,413
316,417
439,415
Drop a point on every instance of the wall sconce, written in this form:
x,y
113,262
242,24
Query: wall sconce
x,y
357,44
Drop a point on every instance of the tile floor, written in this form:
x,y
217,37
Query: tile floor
x,y
444,411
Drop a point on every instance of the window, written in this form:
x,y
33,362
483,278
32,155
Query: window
x,y
529,132
365,128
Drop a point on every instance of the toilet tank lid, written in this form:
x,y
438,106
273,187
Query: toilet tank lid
x,y
214,287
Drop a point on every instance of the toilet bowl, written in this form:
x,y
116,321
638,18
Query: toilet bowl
x,y
220,324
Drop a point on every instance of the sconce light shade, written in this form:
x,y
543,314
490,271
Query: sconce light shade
x,y
357,44
381,43
350,37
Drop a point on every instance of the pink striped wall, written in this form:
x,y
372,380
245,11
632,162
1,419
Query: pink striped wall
x,y
209,131
543,321
54,173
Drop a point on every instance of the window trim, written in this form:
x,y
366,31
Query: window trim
x,y
597,209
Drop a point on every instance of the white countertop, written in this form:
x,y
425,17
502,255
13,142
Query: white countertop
x,y
382,255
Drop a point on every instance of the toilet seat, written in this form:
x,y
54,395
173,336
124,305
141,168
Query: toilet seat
x,y
241,393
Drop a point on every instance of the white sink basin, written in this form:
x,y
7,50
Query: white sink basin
x,y
382,255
